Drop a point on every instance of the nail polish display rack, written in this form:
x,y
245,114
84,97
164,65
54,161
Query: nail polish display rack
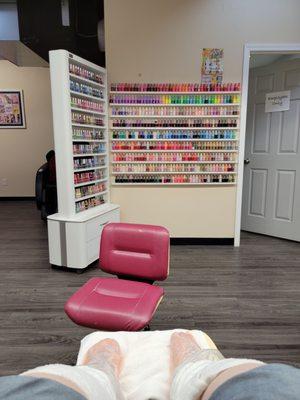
x,y
81,139
167,136
80,120
88,113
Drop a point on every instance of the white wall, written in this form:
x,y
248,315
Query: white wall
x,y
161,40
22,151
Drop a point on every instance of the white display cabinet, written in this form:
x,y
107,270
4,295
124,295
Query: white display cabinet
x,y
79,103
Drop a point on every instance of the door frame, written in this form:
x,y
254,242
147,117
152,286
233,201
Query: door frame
x,y
248,49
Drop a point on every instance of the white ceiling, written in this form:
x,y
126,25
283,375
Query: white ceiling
x,y
261,60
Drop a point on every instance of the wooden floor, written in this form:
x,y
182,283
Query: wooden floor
x,y
247,299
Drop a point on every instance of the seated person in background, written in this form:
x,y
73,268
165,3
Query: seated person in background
x,y
45,187
50,157
51,192
197,374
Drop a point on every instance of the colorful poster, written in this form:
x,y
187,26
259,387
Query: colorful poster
x,y
212,66
11,109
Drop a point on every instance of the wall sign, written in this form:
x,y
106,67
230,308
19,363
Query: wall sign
x,y
12,109
278,101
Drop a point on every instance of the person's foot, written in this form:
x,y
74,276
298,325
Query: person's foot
x,y
184,348
104,354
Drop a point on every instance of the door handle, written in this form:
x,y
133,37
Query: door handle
x,y
247,161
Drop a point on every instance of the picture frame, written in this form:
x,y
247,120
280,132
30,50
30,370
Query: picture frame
x,y
12,113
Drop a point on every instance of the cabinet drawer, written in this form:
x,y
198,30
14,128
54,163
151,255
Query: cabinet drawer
x,y
92,248
95,226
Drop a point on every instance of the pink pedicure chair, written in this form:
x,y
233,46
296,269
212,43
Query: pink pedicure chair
x,y
138,255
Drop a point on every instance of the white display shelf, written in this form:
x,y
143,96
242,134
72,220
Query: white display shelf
x,y
89,154
88,126
182,93
76,185
90,168
174,162
175,173
130,117
175,184
87,96
90,196
61,62
84,110
171,128
69,230
174,140
88,81
173,116
89,140
173,151
171,104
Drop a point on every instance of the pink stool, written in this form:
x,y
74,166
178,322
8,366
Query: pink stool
x,y
138,255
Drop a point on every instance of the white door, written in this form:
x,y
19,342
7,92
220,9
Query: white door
x,y
271,192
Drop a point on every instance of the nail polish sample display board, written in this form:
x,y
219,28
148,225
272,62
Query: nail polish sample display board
x,y
79,102
169,137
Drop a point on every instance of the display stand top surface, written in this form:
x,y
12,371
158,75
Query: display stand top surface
x,y
87,215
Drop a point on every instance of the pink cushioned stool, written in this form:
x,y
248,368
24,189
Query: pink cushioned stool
x,y
138,255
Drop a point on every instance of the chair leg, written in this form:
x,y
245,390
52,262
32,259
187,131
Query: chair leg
x,y
147,328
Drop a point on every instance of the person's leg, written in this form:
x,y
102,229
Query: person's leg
x,y
270,381
19,387
193,368
225,376
96,378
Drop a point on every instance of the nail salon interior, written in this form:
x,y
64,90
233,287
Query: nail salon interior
x,y
149,246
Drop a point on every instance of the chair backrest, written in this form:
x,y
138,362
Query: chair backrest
x,y
135,250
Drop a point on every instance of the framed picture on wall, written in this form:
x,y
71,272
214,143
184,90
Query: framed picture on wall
x,y
12,109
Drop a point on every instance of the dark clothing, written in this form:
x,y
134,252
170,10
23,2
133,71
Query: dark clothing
x,y
269,382
30,388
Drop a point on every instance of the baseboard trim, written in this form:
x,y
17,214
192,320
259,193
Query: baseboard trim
x,y
16,198
174,241
203,241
